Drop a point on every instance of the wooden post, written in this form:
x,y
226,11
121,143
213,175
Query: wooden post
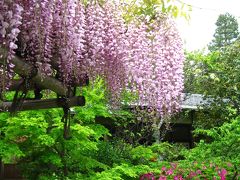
x,y
1,169
192,116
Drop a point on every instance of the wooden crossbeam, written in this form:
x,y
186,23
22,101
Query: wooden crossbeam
x,y
44,104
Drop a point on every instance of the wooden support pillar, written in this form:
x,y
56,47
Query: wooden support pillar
x,y
192,116
1,169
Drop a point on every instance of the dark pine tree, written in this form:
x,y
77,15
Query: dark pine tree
x,y
225,33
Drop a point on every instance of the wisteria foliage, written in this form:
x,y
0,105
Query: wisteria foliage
x,y
73,39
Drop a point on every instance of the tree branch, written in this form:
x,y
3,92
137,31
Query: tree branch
x,y
25,70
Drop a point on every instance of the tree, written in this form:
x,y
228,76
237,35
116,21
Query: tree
x,y
68,39
216,75
150,9
225,33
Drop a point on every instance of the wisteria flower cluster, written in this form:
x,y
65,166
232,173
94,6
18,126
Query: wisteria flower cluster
x,y
10,20
68,39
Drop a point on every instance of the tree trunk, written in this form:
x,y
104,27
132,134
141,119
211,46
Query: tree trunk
x,y
25,70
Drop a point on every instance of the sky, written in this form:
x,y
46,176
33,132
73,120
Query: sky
x,y
198,31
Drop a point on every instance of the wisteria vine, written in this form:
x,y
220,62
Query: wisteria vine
x,y
72,38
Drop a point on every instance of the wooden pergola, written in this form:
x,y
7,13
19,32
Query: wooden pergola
x,y
39,82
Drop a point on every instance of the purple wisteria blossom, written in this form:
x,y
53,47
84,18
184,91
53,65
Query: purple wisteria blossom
x,y
10,20
71,39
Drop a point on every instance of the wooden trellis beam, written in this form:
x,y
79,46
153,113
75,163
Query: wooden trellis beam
x,y
44,104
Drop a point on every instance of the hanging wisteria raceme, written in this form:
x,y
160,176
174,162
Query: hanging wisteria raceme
x,y
69,29
35,41
69,38
52,36
150,56
155,64
105,48
10,20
